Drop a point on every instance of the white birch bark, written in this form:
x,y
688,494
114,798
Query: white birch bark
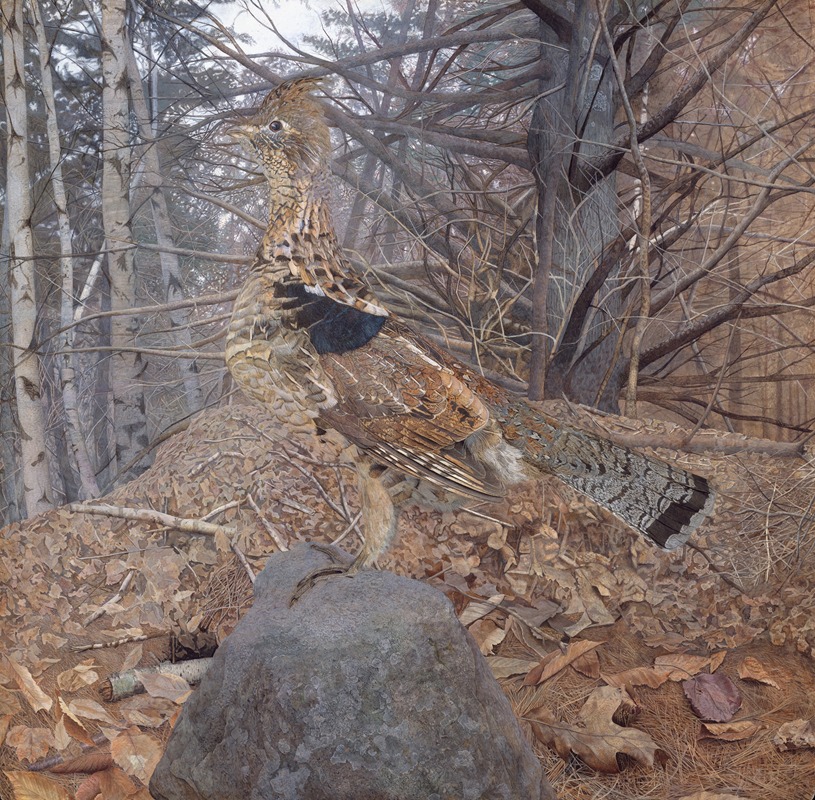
x,y
27,384
65,361
170,266
126,368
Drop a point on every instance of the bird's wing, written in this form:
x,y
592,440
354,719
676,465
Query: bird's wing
x,y
409,409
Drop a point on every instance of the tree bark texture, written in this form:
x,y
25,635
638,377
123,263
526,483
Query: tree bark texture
x,y
26,364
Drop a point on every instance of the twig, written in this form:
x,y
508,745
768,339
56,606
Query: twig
x,y
150,515
270,529
115,599
242,558
81,648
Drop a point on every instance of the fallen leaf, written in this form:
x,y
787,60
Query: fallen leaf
x,y
77,678
588,664
503,667
37,698
730,731
596,738
72,724
487,635
87,762
31,786
713,697
705,796
9,704
5,721
638,676
90,709
113,784
681,666
556,661
796,735
30,744
133,658
476,609
136,753
751,669
163,685
717,659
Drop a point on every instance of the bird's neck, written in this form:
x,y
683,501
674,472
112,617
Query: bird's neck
x,y
299,218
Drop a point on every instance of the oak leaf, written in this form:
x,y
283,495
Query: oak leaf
x,y
595,738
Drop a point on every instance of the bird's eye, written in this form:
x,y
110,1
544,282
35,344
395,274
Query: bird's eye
x,y
275,125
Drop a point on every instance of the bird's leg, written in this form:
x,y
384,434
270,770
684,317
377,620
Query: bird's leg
x,y
378,522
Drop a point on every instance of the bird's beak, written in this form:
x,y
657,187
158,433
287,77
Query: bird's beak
x,y
240,131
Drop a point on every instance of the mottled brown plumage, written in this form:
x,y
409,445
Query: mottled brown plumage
x,y
312,342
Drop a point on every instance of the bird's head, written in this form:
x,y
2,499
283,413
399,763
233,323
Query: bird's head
x,y
288,135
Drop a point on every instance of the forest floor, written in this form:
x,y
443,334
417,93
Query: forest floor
x,y
610,651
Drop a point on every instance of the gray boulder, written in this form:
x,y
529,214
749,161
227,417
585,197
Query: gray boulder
x,y
367,688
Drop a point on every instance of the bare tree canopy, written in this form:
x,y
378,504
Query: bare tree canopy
x,y
605,203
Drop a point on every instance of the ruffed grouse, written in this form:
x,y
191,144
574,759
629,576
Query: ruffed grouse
x,y
312,342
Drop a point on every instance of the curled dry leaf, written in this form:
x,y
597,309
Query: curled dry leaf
x,y
713,697
477,609
72,724
136,753
595,738
730,731
109,784
556,661
751,669
487,635
32,786
796,735
588,664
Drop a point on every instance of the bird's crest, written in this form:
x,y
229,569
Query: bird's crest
x,y
291,93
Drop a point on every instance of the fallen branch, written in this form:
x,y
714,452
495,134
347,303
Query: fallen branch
x,y
150,515
126,684
115,599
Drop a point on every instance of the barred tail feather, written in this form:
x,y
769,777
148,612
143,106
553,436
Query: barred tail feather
x,y
664,502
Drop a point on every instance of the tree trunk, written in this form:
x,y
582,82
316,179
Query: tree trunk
x,y
67,374
27,384
126,367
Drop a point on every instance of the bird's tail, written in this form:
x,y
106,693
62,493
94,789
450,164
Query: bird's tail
x,y
665,503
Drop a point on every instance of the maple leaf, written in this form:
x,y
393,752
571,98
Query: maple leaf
x,y
595,738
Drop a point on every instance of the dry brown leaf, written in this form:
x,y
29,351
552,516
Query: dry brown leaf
x,y
31,786
30,743
136,753
639,676
796,735
556,661
751,669
5,721
476,609
596,739
146,711
163,685
87,762
9,704
61,738
90,709
36,697
77,678
588,664
713,697
487,635
71,724
133,658
704,796
507,667
681,666
717,659
730,731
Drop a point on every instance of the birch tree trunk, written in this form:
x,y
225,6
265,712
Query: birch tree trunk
x,y
126,366
67,382
170,266
26,366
